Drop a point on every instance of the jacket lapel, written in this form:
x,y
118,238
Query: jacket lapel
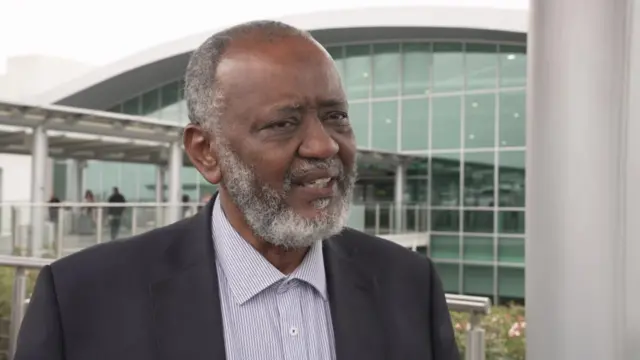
x,y
358,328
186,301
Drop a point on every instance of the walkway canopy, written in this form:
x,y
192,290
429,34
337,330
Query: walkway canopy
x,y
84,134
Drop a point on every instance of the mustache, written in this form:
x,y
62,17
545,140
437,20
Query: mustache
x,y
333,166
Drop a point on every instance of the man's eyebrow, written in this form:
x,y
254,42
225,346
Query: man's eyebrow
x,y
332,103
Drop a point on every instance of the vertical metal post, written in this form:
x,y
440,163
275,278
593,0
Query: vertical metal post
x,y
175,185
38,196
99,223
160,210
399,197
475,339
582,179
60,233
17,307
134,220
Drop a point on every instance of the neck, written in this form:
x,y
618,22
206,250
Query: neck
x,y
285,260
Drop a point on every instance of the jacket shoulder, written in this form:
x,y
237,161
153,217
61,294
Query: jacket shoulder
x,y
123,257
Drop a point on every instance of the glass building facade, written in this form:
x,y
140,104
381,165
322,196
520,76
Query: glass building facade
x,y
459,106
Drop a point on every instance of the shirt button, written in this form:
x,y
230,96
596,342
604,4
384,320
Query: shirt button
x,y
293,331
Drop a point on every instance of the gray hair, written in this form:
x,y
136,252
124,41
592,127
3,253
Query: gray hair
x,y
203,94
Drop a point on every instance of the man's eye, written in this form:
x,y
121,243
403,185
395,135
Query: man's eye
x,y
283,125
339,118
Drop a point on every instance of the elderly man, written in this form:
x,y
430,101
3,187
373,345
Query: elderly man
x,y
267,270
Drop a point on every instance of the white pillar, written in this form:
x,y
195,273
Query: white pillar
x,y
583,170
175,186
39,157
400,182
75,169
160,211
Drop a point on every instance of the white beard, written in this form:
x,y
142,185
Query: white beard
x,y
266,211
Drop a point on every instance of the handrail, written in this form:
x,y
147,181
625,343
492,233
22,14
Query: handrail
x,y
475,305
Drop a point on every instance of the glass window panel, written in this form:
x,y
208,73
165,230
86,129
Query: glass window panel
x,y
511,222
448,71
358,71
92,177
478,248
446,122
511,178
450,276
169,99
147,182
150,102
116,108
415,68
479,174
478,280
359,118
480,121
129,187
445,189
337,53
511,282
482,65
385,125
478,221
513,66
415,124
386,70
512,118
110,177
511,250
184,114
445,247
445,220
132,106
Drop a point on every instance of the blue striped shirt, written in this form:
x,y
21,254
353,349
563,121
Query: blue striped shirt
x,y
267,315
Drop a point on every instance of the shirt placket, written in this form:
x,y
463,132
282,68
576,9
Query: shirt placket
x,y
292,332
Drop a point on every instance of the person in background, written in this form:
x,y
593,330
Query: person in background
x,y
186,206
115,212
54,209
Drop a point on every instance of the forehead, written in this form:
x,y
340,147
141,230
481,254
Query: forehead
x,y
254,70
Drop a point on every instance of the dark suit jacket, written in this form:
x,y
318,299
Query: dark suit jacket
x,y
155,297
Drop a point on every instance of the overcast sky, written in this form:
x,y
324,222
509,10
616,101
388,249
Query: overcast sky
x,y
101,32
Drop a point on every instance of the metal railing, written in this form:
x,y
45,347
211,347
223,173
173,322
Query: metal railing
x,y
475,306
67,227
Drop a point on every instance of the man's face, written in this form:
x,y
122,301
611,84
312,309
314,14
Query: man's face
x,y
286,149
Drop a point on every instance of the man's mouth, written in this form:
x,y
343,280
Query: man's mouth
x,y
319,183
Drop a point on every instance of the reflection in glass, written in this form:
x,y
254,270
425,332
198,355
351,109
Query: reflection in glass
x,y
481,64
385,125
512,118
478,248
445,220
479,187
511,222
480,121
415,68
513,66
445,247
511,250
478,221
415,124
446,122
511,178
359,118
357,77
478,280
448,71
386,70
445,189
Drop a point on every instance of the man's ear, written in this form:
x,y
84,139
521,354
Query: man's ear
x,y
201,151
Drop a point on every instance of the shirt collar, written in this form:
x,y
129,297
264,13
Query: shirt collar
x,y
248,273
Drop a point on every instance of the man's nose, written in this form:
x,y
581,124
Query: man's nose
x,y
317,142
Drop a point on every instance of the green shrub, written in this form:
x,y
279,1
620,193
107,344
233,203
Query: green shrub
x,y
505,330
